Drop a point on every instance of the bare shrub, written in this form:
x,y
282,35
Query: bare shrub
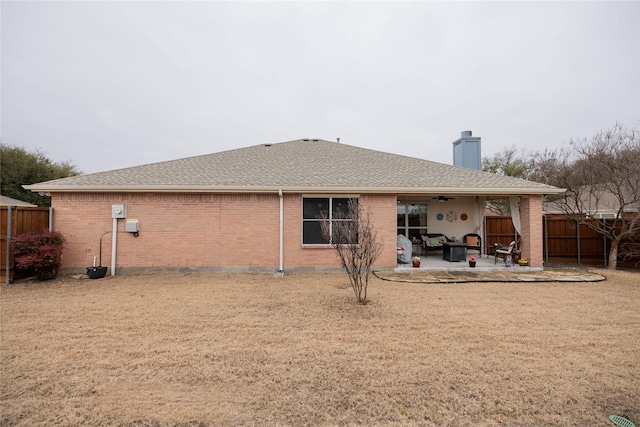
x,y
355,240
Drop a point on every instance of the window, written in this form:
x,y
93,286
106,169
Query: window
x,y
412,220
313,208
604,215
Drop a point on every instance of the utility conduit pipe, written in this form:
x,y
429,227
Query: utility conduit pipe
x,y
113,246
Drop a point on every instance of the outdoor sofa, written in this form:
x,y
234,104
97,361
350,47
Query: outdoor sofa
x,y
434,241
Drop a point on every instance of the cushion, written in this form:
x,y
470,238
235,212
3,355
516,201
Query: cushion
x,y
434,241
441,240
472,240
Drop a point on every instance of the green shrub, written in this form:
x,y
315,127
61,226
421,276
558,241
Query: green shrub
x,y
39,252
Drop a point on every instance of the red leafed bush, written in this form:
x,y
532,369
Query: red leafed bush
x,y
39,252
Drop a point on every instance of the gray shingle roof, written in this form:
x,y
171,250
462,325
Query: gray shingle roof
x,y
300,165
6,201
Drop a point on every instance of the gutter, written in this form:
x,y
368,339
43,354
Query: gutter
x,y
465,191
280,271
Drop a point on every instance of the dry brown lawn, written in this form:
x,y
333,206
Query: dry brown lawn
x,y
236,350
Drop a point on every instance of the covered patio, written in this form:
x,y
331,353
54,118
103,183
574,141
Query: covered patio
x,y
434,261
454,216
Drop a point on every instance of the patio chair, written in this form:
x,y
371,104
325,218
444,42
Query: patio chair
x,y
473,241
504,252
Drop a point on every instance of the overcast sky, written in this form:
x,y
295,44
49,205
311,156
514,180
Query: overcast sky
x,y
107,85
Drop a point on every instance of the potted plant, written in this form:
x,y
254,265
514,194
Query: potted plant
x,y
523,262
472,261
97,272
415,261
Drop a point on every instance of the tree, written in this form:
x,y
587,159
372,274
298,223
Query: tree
x,y
509,162
599,173
355,241
20,167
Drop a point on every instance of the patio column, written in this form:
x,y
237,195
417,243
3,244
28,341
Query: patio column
x,y
531,218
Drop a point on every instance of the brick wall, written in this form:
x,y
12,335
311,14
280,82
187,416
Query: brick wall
x,y
220,232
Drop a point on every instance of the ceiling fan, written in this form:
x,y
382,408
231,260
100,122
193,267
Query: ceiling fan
x,y
443,198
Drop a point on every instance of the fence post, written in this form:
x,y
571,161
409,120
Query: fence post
x,y
604,252
546,239
484,235
578,238
8,265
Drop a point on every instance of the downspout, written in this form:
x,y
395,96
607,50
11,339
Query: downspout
x,y
280,271
50,219
113,246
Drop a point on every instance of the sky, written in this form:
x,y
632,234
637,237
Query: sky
x,y
109,85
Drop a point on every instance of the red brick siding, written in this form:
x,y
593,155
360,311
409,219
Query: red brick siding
x,y
218,231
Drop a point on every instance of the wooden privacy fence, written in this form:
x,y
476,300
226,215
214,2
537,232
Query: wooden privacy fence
x,y
565,240
18,220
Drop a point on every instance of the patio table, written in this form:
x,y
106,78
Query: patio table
x,y
454,251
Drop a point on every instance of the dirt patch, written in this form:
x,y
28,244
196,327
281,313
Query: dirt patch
x,y
216,349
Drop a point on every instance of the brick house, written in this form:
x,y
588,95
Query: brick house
x,y
254,208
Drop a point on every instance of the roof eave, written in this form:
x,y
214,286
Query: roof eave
x,y
468,191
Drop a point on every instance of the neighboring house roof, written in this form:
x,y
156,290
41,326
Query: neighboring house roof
x,y
594,202
301,166
6,201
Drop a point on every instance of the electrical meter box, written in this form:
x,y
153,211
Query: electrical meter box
x,y
118,211
131,226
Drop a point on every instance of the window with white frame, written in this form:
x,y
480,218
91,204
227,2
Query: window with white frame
x,y
412,220
314,208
